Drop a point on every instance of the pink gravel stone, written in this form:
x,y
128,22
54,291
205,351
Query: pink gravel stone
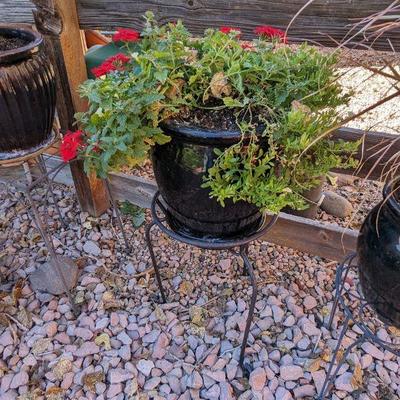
x,y
257,380
51,328
87,349
19,379
114,319
63,338
67,381
84,333
6,338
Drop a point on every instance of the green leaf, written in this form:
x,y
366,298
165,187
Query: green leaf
x,y
230,102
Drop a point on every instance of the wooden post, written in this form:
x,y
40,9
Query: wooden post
x,y
57,20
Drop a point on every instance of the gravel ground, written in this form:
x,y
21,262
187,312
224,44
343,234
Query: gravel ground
x,y
124,345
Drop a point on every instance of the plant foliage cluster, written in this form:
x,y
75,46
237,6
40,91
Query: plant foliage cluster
x,y
282,98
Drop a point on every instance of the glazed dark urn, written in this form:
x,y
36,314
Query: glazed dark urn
x,y
180,166
27,92
379,255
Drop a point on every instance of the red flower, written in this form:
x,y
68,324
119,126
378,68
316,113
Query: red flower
x,y
126,35
113,63
228,29
270,32
70,145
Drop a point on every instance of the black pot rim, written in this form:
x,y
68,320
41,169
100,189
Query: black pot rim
x,y
16,30
388,189
197,134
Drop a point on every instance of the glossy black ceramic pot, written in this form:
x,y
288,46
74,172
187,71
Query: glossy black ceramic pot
x,y
27,94
379,255
179,167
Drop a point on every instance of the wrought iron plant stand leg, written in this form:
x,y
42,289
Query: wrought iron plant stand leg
x,y
356,310
47,178
209,244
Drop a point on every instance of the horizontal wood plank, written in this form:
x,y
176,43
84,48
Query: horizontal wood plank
x,y
378,153
16,11
321,21
313,237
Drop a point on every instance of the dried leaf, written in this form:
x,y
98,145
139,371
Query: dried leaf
x,y
227,292
40,346
61,368
87,225
103,340
4,320
17,291
186,288
313,365
79,297
25,317
55,393
90,380
325,311
35,394
198,315
109,300
81,262
219,85
394,331
3,370
175,89
160,314
357,378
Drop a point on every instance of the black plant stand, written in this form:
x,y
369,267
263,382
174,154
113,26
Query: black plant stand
x,y
208,244
356,309
46,177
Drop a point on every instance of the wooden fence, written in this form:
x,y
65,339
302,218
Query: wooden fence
x,y
325,22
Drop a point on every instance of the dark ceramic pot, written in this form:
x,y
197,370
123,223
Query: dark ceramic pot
x,y
379,255
179,167
27,95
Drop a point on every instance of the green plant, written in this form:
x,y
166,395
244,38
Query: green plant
x,y
136,213
281,98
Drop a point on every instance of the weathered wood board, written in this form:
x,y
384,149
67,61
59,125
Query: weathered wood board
x,y
313,237
320,21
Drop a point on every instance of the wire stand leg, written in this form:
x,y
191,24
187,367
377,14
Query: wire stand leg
x,y
330,376
154,261
49,181
49,244
117,214
250,271
339,291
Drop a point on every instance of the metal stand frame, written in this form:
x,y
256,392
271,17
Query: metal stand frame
x,y
47,177
357,310
209,244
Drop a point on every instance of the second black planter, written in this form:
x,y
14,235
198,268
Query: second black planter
x,y
379,255
179,167
27,94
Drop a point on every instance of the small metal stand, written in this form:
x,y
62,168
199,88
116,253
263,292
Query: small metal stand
x,y
356,309
64,267
209,244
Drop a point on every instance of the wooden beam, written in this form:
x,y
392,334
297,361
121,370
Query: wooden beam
x,y
59,21
322,239
320,21
313,237
378,153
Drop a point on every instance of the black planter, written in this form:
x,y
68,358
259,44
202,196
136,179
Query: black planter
x,y
379,255
27,95
179,167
